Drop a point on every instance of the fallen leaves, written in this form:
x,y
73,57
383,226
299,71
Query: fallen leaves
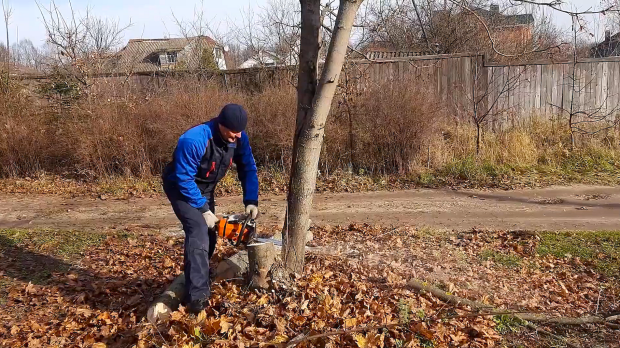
x,y
100,301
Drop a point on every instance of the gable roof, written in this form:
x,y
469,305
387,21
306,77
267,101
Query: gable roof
x,y
135,56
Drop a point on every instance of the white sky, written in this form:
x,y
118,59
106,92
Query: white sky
x,y
153,18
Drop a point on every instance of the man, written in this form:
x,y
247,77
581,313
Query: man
x,y
202,157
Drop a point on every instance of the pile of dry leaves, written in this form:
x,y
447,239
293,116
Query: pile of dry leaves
x,y
356,296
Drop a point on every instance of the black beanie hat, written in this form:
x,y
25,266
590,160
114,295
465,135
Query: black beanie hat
x,y
233,117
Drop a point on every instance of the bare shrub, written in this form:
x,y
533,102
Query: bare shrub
x,y
397,127
392,126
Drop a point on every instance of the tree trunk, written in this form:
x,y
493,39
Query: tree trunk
x,y
309,138
477,139
261,257
306,88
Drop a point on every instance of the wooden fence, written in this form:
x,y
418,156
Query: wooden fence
x,y
506,93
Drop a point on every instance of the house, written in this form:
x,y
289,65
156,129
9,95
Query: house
x,y
151,55
508,28
445,29
267,59
608,48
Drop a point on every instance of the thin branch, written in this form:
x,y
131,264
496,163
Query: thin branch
x,y
556,3
417,13
349,46
493,43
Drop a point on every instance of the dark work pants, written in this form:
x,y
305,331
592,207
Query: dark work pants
x,y
199,245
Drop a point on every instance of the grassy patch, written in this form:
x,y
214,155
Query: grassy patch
x,y
35,255
601,248
67,244
506,260
505,324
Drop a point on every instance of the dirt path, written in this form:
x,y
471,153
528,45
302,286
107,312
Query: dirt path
x,y
555,208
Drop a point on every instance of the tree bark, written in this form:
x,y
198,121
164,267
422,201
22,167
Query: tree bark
x,y
310,131
307,80
261,257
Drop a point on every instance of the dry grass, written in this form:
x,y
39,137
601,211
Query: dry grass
x,y
388,130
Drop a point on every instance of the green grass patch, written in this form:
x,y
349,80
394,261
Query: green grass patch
x,y
601,248
66,244
505,324
506,260
35,255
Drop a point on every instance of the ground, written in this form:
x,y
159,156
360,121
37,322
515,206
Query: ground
x,y
80,272
554,208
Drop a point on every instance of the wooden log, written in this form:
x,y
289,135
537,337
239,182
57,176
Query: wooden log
x,y
168,302
261,257
532,317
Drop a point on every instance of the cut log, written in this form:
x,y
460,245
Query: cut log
x,y
232,267
168,302
261,257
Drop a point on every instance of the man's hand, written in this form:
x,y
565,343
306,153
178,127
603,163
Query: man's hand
x,y
210,218
252,210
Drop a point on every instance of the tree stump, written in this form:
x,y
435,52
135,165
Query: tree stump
x,y
168,302
261,257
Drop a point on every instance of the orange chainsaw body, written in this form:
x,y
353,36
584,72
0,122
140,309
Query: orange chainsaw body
x,y
236,229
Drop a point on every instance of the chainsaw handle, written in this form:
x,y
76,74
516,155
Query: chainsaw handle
x,y
240,235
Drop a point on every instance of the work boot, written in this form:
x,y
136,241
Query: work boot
x,y
196,306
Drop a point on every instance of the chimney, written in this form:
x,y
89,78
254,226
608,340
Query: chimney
x,y
494,8
607,35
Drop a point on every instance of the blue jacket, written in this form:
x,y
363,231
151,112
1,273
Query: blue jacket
x,y
202,158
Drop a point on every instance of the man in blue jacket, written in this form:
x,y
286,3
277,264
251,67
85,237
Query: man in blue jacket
x,y
202,157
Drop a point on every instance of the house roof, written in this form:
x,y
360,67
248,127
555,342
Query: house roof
x,y
134,56
503,20
387,50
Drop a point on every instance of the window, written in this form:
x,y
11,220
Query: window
x,y
172,57
217,53
168,58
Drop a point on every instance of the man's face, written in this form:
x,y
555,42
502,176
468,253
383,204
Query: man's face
x,y
229,135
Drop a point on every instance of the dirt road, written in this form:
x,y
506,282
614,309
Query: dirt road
x,y
555,208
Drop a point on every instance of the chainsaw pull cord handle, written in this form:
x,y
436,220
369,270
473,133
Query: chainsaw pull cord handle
x,y
240,235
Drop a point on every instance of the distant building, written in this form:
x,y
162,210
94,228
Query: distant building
x,y
151,55
267,59
516,28
610,47
508,27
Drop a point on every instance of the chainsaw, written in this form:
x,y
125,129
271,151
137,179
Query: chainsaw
x,y
240,229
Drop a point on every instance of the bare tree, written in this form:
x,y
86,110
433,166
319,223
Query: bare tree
x,y
7,12
26,54
584,119
202,55
82,43
314,103
272,35
452,26
484,96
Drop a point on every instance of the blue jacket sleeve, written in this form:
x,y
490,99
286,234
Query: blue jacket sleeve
x,y
187,157
246,169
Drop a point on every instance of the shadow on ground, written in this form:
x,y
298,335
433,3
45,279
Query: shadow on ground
x,y
125,292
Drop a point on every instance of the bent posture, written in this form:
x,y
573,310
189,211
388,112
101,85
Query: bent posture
x,y
201,159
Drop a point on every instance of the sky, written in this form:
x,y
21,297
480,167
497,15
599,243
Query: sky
x,y
154,19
